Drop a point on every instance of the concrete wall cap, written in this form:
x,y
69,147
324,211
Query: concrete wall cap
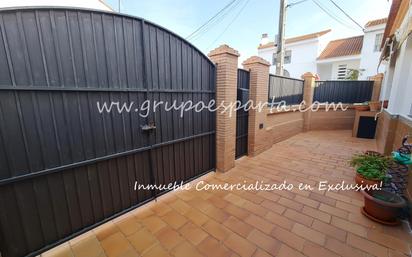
x,y
223,49
309,75
255,59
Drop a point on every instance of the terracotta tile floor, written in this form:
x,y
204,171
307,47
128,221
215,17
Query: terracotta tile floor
x,y
249,223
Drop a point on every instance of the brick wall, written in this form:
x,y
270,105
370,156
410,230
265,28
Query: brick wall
x,y
226,60
258,94
264,128
332,120
282,125
389,134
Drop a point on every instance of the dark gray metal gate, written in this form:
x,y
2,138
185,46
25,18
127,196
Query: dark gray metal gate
x,y
66,168
241,114
344,91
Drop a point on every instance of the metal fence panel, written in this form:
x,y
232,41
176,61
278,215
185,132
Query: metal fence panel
x,y
344,91
242,116
66,168
285,89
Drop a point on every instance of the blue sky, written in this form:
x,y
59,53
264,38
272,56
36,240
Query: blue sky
x,y
254,17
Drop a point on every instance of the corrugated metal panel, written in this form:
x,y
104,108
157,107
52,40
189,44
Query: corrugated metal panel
x,y
285,89
344,91
64,167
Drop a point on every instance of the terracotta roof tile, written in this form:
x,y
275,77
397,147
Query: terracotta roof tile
x,y
376,22
296,39
342,47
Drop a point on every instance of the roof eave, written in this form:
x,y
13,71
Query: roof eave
x,y
339,58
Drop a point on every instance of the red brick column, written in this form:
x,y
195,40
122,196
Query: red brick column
x,y
226,60
308,89
377,85
258,93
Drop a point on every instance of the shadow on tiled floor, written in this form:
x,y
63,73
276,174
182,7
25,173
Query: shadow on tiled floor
x,y
250,223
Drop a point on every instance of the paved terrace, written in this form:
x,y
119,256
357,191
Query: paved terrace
x,y
238,223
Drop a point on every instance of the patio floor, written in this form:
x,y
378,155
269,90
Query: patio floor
x,y
256,223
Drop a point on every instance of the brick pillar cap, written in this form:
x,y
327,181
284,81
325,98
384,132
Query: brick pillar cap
x,y
309,75
223,49
255,59
378,76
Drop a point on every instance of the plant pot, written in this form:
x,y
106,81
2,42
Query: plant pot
x,y
360,180
385,104
375,106
385,211
361,108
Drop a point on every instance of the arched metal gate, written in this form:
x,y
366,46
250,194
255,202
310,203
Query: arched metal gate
x,y
64,166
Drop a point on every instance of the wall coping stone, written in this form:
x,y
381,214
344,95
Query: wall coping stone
x,y
255,59
223,49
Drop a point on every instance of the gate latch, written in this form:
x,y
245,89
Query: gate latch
x,y
148,127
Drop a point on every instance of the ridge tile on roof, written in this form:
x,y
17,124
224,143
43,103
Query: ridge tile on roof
x,y
342,47
376,22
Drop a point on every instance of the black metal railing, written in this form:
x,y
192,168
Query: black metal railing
x,y
344,91
288,90
242,115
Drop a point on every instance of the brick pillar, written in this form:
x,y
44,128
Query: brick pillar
x,y
377,85
258,94
308,89
226,60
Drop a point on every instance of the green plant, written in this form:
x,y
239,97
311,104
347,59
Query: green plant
x,y
371,166
353,74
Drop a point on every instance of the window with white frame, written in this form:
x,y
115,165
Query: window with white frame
x,y
378,42
286,59
342,71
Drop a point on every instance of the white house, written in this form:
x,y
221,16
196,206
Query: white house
x,y
330,59
371,49
397,50
395,122
340,57
300,52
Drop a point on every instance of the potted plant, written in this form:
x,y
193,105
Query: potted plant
x,y
386,205
382,206
370,167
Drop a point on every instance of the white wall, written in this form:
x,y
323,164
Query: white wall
x,y
325,71
400,99
387,79
91,4
328,68
266,54
369,58
304,54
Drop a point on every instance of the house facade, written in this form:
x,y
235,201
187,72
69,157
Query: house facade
x,y
397,51
348,58
339,58
395,122
371,49
300,52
